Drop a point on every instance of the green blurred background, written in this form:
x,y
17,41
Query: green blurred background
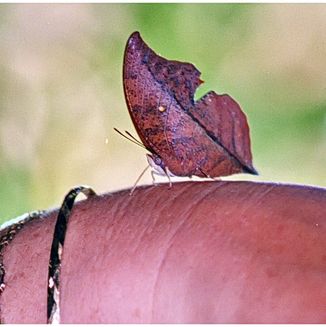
x,y
61,90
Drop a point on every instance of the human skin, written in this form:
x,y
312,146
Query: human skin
x,y
223,252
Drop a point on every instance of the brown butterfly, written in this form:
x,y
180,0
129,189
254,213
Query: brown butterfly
x,y
206,138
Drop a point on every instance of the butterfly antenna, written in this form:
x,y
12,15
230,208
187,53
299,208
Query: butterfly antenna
x,y
130,138
138,179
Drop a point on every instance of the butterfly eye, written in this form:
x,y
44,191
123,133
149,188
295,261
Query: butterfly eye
x,y
158,161
161,109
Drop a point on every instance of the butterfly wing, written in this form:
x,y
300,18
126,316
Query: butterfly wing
x,y
151,83
225,122
160,99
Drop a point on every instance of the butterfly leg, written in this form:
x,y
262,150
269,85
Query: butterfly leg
x,y
168,174
153,173
138,179
205,174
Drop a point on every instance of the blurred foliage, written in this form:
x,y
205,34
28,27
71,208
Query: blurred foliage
x,y
61,90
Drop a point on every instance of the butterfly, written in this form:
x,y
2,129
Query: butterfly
x,y
206,138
